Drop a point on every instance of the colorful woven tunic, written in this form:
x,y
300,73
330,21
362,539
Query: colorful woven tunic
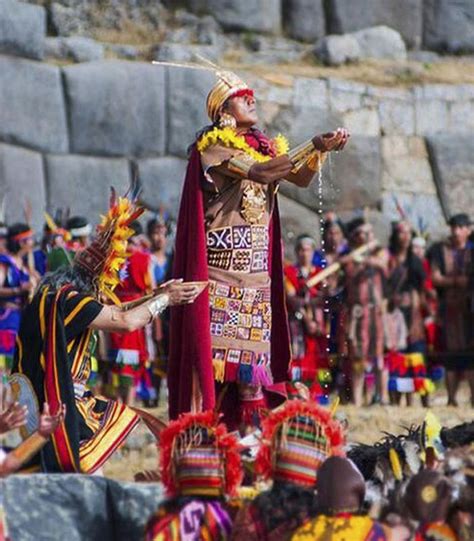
x,y
129,350
53,351
10,309
406,357
309,329
237,215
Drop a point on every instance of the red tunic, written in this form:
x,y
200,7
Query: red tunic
x,y
129,350
309,333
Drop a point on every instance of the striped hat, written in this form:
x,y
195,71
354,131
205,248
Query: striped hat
x,y
297,439
198,457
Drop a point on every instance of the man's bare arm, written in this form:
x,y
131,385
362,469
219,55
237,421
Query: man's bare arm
x,y
114,319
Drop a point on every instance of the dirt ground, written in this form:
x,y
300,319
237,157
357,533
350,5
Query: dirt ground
x,y
365,425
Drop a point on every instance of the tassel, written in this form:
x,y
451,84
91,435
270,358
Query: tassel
x,y
219,369
251,411
245,373
231,371
261,375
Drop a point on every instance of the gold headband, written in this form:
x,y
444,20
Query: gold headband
x,y
227,85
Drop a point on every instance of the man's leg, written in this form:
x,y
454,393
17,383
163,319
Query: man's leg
x,y
452,384
357,383
470,380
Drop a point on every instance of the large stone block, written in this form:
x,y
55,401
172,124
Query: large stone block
x,y
350,179
116,108
335,50
397,117
448,25
187,91
82,49
22,29
304,19
77,507
406,167
453,171
300,123
309,92
32,111
22,178
185,52
252,15
461,116
405,17
380,42
353,178
362,122
431,116
345,95
82,183
162,181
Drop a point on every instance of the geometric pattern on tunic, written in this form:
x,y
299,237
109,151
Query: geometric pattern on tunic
x,y
238,248
232,317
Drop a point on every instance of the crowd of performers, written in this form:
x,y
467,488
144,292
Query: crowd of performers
x,y
386,324
383,326
360,319
129,365
297,478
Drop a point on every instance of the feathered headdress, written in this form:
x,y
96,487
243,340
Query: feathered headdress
x,y
199,457
107,253
54,228
297,438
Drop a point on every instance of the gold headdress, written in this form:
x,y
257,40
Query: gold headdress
x,y
105,256
228,84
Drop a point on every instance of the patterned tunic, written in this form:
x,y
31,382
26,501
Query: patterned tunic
x,y
53,351
365,299
237,214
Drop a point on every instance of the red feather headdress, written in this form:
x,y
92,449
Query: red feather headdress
x,y
273,442
226,445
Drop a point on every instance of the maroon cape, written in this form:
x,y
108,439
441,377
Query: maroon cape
x,y
190,336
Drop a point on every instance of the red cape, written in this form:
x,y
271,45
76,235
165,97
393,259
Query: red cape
x,y
190,337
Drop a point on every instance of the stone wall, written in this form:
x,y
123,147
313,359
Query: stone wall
x,y
77,507
68,133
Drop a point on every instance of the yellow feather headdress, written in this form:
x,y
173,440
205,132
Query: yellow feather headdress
x,y
107,253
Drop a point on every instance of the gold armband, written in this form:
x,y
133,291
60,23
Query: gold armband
x,y
299,154
29,447
315,160
241,165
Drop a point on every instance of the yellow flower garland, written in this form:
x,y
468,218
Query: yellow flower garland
x,y
229,138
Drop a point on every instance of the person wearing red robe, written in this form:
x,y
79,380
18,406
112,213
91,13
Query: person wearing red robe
x,y
231,348
308,327
129,351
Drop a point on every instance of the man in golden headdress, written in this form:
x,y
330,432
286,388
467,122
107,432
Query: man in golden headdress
x,y
55,344
229,234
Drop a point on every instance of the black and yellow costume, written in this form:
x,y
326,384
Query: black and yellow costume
x,y
53,351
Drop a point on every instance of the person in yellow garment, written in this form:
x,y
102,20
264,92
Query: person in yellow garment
x,y
55,341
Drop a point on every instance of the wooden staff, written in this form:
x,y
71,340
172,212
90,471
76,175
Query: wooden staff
x,y
315,280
